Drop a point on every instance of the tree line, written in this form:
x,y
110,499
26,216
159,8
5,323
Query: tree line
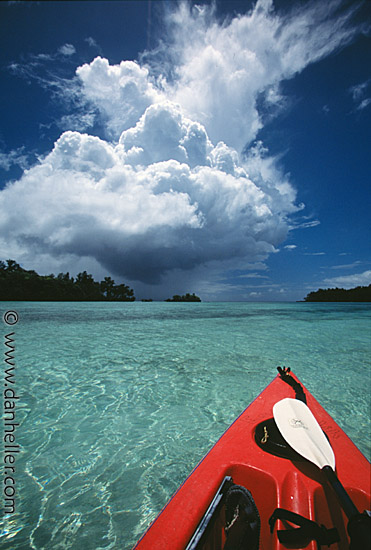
x,y
184,298
358,294
17,283
21,284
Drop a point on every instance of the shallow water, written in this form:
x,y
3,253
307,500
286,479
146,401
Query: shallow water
x,y
119,401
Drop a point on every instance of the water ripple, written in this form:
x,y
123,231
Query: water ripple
x,y
120,401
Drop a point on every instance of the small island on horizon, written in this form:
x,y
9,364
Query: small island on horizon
x,y
185,298
357,294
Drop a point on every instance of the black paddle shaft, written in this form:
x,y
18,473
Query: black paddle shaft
x,y
346,502
359,525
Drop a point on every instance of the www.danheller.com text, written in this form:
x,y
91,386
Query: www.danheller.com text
x,y
11,448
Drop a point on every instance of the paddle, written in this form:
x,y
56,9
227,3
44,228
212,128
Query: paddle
x,y
302,432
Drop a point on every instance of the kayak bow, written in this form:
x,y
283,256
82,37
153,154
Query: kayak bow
x,y
252,478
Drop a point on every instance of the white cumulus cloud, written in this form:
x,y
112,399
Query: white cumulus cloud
x,y
141,220
121,92
67,49
170,186
219,71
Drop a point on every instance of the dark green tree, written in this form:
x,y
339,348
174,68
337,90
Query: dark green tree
x,y
90,289
107,287
123,293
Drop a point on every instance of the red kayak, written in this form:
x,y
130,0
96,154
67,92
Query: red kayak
x,y
256,489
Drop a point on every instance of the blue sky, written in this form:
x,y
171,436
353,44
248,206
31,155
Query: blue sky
x,y
221,149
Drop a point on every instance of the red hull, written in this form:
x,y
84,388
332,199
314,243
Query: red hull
x,y
273,481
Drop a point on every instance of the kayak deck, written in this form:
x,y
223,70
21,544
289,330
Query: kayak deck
x,y
273,481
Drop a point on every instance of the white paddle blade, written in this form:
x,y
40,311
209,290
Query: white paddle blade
x,y
302,432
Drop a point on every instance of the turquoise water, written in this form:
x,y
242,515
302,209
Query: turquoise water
x,y
119,401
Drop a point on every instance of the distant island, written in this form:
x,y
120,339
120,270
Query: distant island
x,y
358,294
17,283
185,298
